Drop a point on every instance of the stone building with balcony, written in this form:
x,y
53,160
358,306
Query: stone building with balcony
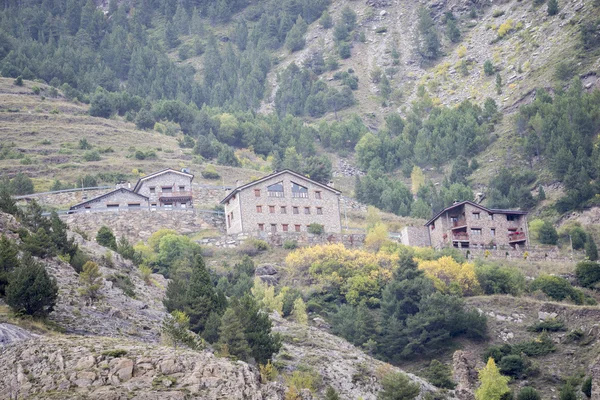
x,y
471,225
284,201
165,189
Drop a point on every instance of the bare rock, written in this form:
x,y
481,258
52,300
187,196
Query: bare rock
x,y
265,269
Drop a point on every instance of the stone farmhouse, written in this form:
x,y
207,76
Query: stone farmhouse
x,y
165,189
284,201
470,225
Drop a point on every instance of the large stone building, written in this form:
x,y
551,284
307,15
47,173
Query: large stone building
x,y
284,201
166,189
470,225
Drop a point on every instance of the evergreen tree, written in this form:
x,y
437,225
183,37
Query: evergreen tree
x,y
171,39
493,385
541,194
591,251
428,42
295,38
8,262
326,21
21,184
552,7
91,279
101,104
31,290
7,203
440,375
498,83
452,31
331,394
397,386
175,331
200,296
231,336
58,235
105,237
567,392
548,234
586,387
181,20
211,328
196,25
39,244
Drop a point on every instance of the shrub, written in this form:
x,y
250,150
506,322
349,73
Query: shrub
x,y
398,386
91,280
116,353
124,283
145,273
91,156
497,352
494,279
440,375
588,273
488,68
78,260
210,173
528,393
548,234
316,229
290,244
512,365
556,288
450,276
19,81
586,387
540,346
106,238
549,325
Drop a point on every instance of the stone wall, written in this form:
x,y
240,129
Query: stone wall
x,y
415,236
123,198
278,239
532,253
138,225
63,201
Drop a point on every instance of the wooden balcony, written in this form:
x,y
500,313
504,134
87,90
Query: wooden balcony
x,y
180,196
460,237
517,237
459,223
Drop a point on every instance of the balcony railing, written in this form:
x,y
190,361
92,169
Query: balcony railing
x,y
174,194
274,194
459,223
463,236
517,237
300,194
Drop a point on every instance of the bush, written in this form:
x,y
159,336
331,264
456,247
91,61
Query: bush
x,y
588,273
106,238
494,279
549,325
528,393
210,173
488,68
557,288
548,234
586,387
19,81
290,244
124,283
398,386
252,246
316,229
91,156
497,352
440,375
540,346
512,365
31,290
116,353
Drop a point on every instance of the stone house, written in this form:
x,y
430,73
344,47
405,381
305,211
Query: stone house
x,y
471,225
166,189
284,201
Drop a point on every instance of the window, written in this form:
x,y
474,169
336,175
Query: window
x,y
112,206
261,227
275,190
273,228
229,221
299,191
319,210
182,188
152,190
318,195
306,210
284,227
433,226
256,192
167,189
283,210
491,216
258,209
493,232
134,205
297,228
295,210
272,209
476,231
168,205
231,213
153,204
476,215
512,217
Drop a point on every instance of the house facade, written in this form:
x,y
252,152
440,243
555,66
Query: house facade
x,y
284,201
470,225
167,189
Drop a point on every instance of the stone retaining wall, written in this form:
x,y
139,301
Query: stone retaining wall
x,y
278,239
550,253
139,224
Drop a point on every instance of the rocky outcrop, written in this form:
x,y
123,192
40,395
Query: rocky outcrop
x,y
10,333
595,372
465,375
102,368
351,372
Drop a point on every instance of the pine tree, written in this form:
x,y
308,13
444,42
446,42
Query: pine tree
x,y
181,20
453,31
8,262
105,237
440,375
211,328
231,336
196,25
58,235
31,290
493,384
428,42
498,83
91,279
591,251
21,184
39,244
171,39
200,297
541,194
331,394
175,331
586,387
7,203
397,386
552,7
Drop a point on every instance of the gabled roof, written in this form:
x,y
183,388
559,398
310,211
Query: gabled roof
x,y
106,195
164,171
489,210
273,175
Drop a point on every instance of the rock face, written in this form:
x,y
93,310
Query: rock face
x,y
101,368
10,333
351,372
464,375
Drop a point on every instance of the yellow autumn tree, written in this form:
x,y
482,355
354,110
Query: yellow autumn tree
x,y
450,276
417,179
493,384
376,237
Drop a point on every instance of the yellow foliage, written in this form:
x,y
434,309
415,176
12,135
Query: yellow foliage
x,y
376,237
461,51
154,240
449,276
265,295
417,179
268,372
505,28
299,312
